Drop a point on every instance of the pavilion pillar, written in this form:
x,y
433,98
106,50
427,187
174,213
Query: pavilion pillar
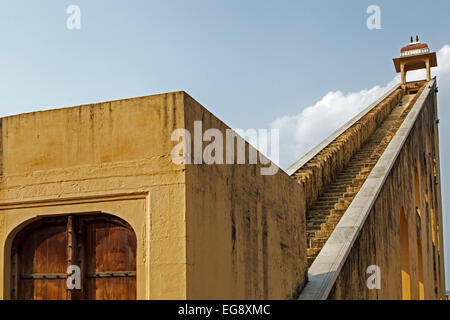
x,y
403,72
427,63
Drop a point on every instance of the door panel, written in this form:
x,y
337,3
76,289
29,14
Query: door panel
x,y
111,248
42,254
48,289
104,247
111,289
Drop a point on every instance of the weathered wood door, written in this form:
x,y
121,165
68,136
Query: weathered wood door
x,y
98,249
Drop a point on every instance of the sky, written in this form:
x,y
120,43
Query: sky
x,y
305,67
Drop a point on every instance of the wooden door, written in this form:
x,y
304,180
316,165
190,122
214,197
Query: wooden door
x,y
101,246
39,262
110,260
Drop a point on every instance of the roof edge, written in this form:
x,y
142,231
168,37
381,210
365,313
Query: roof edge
x,y
43,109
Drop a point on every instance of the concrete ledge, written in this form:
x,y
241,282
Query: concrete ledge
x,y
325,269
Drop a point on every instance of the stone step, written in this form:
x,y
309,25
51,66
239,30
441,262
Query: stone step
x,y
311,228
329,198
319,206
357,159
315,225
369,154
317,242
332,194
347,175
328,227
336,189
322,234
340,184
346,201
318,217
313,222
342,188
313,213
344,179
337,184
353,190
311,260
312,252
339,211
329,201
359,164
334,219
351,172
363,155
353,164
312,234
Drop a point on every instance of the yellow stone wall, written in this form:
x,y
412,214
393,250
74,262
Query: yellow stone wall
x,y
110,157
246,232
114,157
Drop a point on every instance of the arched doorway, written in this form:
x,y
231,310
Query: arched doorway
x,y
97,250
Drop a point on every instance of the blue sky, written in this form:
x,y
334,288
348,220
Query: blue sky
x,y
249,62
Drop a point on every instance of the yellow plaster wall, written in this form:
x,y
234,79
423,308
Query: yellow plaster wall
x,y
114,158
246,232
85,159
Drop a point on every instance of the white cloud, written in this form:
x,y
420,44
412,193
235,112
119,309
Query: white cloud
x,y
301,132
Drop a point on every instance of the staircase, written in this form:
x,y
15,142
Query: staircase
x,y
325,213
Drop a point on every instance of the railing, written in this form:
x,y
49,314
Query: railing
x,y
414,52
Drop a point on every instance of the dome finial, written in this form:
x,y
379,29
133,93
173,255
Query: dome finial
x,y
417,38
411,40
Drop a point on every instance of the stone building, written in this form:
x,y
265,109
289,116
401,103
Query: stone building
x,y
93,205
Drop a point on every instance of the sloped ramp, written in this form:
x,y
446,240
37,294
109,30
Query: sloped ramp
x,y
336,216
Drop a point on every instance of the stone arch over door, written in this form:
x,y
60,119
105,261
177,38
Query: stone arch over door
x,y
100,248
134,208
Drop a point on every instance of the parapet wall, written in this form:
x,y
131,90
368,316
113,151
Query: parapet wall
x,y
329,161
